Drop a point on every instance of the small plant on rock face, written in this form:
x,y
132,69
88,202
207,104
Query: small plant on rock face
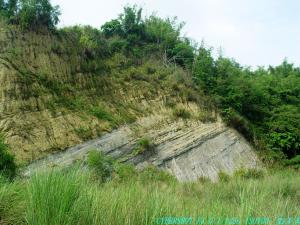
x,y
125,172
85,133
101,114
204,180
103,166
249,173
223,177
206,117
151,173
144,145
182,113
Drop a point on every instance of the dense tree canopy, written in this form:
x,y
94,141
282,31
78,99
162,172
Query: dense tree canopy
x,y
264,104
30,14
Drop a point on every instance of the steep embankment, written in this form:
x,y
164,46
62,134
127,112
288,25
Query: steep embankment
x,y
52,97
54,94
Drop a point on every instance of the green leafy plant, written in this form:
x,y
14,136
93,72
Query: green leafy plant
x,y
85,133
7,165
181,113
102,165
101,113
223,177
249,173
144,145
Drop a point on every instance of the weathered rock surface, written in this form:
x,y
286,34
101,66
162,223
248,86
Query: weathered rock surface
x,y
188,150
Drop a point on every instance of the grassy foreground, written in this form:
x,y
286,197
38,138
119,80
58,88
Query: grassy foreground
x,y
78,196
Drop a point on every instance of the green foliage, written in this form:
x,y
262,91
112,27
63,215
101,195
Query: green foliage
x,y
125,172
7,165
294,162
71,197
53,198
249,174
112,28
206,116
85,133
31,14
36,13
102,165
144,145
101,114
12,202
180,112
262,104
183,53
129,25
153,174
223,177
164,32
203,69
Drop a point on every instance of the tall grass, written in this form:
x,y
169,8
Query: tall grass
x,y
75,197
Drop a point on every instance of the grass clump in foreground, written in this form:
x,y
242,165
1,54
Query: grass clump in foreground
x,y
131,197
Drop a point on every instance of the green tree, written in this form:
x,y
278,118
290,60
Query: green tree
x,y
163,32
183,53
204,71
11,9
34,14
112,28
129,24
2,6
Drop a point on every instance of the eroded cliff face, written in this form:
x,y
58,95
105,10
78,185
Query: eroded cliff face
x,y
51,98
187,149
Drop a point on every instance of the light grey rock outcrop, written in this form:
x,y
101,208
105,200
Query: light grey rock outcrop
x,y
188,150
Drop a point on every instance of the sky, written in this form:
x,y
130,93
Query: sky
x,y
253,32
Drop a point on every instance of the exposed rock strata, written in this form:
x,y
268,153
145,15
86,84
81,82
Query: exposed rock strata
x,y
189,150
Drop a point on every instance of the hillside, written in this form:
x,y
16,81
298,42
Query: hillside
x,y
52,98
134,123
65,86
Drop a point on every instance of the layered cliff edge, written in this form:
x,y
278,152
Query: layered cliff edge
x,y
187,149
53,98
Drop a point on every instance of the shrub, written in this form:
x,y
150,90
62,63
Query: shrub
x,y
294,162
53,198
7,164
125,172
144,145
103,166
249,173
151,173
206,117
171,103
234,119
181,113
204,180
85,133
38,13
223,177
101,114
